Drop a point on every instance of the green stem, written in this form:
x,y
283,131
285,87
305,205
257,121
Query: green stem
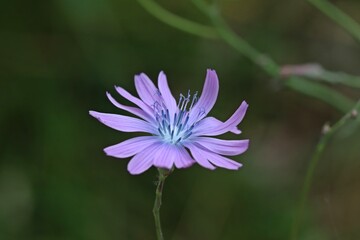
x,y
177,22
328,132
338,16
316,72
321,92
157,204
242,46
222,30
238,43
306,187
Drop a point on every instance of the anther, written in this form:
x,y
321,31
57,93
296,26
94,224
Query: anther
x,y
186,120
167,115
179,129
161,133
175,119
180,117
188,134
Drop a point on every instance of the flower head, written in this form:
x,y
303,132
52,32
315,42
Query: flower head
x,y
181,132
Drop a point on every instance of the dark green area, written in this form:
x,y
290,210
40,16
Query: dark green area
x,y
59,57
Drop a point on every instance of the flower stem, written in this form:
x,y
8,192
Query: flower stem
x,y
338,16
177,22
221,30
306,187
157,204
328,132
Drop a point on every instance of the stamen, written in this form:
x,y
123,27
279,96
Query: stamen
x,y
178,129
175,119
194,100
191,128
167,115
179,102
186,120
183,102
187,135
161,133
180,117
187,100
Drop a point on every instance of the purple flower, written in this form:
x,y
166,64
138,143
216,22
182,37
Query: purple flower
x,y
180,132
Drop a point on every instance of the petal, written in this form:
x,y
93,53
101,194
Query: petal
x,y
223,147
198,156
136,111
217,129
146,89
169,100
130,147
184,159
207,99
135,100
165,156
143,160
216,159
124,123
210,123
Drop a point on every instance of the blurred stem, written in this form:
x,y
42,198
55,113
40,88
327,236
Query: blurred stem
x,y
338,16
222,30
235,41
316,72
340,78
319,91
157,204
177,22
328,132
316,90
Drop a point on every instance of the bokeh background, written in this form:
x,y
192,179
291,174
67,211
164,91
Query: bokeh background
x,y
59,57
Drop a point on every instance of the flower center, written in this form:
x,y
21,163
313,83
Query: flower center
x,y
177,128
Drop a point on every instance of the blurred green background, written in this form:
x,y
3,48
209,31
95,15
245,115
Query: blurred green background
x,y
59,57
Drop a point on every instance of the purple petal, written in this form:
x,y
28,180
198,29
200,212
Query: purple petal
x,y
210,123
207,99
130,147
223,147
216,159
143,160
199,157
184,159
146,89
124,123
204,128
165,156
169,100
136,111
135,100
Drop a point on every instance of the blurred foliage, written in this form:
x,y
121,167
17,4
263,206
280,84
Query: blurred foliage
x,y
57,59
